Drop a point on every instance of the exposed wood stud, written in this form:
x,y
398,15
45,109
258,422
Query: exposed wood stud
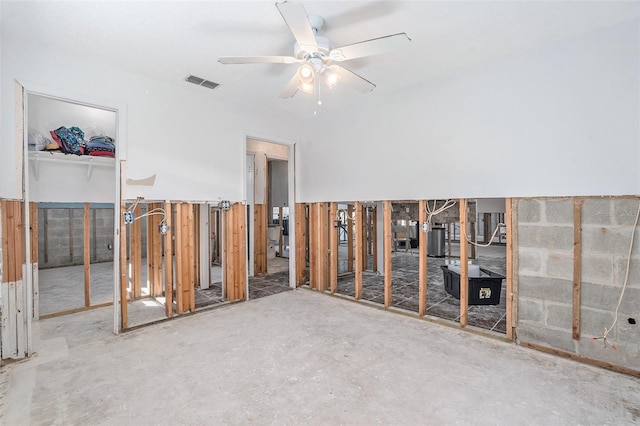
x,y
87,255
577,266
192,256
123,269
33,223
472,225
422,256
509,267
313,247
464,267
280,232
260,239
179,255
323,247
350,227
387,252
168,262
136,254
359,241
374,238
301,244
235,252
333,248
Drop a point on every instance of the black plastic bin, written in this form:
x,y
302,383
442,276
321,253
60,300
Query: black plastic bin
x,y
482,290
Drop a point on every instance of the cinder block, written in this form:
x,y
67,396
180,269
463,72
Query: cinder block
x,y
542,288
530,310
625,211
529,211
599,296
532,332
558,265
594,321
559,315
620,271
549,237
597,268
609,240
623,355
597,211
529,262
559,211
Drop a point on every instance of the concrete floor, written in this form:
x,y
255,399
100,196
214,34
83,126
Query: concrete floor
x,y
300,357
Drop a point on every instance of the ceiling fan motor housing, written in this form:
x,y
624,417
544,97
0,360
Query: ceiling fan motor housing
x,y
324,46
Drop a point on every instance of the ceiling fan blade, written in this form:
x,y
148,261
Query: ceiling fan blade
x,y
359,83
374,46
291,88
296,18
257,60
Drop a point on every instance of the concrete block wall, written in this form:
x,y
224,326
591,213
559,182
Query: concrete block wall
x,y
545,277
65,236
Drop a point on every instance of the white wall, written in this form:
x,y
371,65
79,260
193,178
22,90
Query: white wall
x,y
194,144
559,121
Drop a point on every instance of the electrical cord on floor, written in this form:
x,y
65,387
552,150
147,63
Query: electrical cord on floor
x,y
624,286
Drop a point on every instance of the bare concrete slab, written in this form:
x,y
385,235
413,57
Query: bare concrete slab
x,y
300,357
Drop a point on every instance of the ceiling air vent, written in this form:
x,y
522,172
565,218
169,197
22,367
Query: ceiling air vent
x,y
201,82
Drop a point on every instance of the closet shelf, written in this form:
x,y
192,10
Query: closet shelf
x,y
37,157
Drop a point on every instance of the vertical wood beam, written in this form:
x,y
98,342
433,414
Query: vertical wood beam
x,y
509,270
333,248
301,244
123,269
422,256
195,224
449,227
577,265
313,247
260,239
374,237
464,266
350,226
365,239
87,255
359,241
235,249
150,245
157,254
168,262
136,254
192,256
33,224
387,252
473,239
180,254
486,224
323,247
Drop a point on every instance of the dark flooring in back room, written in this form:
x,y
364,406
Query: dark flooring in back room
x,y
404,293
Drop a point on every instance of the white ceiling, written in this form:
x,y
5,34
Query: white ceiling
x,y
170,40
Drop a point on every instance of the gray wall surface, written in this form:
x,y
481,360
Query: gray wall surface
x,y
61,236
545,277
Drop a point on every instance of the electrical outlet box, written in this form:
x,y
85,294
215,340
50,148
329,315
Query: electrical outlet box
x,y
164,228
128,218
225,205
336,224
426,227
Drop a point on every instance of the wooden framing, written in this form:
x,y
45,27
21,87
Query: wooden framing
x,y
168,262
358,249
422,259
577,266
388,246
191,256
33,224
87,255
135,257
301,244
365,238
313,248
13,254
464,266
260,239
154,251
374,237
235,252
509,267
350,227
123,269
180,254
333,248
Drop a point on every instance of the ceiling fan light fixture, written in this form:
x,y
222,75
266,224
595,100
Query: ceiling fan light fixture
x,y
306,87
306,74
330,78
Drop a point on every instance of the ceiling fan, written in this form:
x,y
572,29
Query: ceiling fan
x,y
317,59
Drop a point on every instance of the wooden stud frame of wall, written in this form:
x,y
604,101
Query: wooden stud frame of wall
x,y
387,253
464,267
333,248
359,241
422,269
